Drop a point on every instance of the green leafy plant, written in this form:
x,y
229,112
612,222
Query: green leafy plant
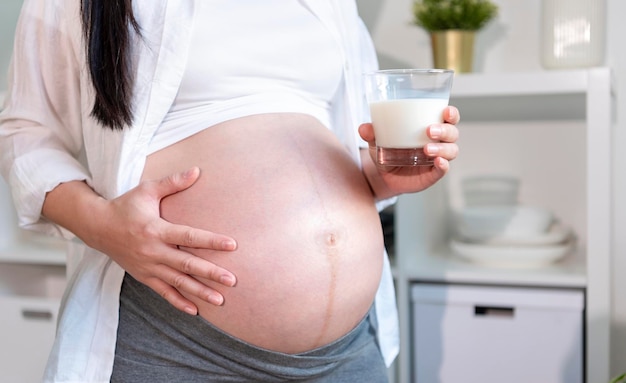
x,y
619,379
439,15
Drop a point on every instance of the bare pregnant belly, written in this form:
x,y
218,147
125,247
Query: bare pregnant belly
x,y
310,245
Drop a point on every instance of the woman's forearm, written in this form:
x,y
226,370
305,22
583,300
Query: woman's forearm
x,y
74,205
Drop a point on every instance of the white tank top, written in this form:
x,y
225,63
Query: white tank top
x,y
251,57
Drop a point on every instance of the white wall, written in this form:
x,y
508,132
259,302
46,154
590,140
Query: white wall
x,y
9,10
510,44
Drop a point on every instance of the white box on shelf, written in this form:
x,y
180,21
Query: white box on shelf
x,y
496,334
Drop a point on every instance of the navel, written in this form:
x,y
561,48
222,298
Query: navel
x,y
330,240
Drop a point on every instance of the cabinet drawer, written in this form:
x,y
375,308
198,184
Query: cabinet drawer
x,y
27,329
497,334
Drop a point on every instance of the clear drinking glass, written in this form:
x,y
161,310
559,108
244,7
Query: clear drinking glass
x,y
403,103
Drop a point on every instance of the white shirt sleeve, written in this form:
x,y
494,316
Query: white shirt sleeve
x,y
41,124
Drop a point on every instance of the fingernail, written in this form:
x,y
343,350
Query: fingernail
x,y
216,299
229,245
451,113
435,131
432,150
227,280
189,173
191,311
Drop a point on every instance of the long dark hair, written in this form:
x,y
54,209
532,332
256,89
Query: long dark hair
x,y
107,26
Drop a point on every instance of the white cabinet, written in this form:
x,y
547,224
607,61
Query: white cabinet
x,y
552,129
27,327
30,295
496,334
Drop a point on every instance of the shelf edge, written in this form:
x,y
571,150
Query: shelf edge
x,y
522,83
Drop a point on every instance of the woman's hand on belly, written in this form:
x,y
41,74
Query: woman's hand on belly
x,y
147,246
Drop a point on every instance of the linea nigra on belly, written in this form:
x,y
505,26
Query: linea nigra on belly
x,y
331,242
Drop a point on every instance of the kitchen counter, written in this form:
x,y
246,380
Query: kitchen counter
x,y
444,266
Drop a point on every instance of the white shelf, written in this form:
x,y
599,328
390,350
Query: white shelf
x,y
580,98
445,267
546,95
522,84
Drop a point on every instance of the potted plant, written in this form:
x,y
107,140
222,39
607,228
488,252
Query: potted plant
x,y
452,25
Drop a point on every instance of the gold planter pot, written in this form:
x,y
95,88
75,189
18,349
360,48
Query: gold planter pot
x,y
453,49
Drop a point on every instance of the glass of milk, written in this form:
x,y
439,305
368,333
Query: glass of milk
x,y
403,103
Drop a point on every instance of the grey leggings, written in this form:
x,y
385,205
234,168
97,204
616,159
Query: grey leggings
x,y
157,343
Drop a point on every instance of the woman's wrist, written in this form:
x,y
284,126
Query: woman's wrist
x,y
379,189
72,205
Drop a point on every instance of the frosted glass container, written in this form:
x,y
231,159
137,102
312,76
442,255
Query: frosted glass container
x,y
573,33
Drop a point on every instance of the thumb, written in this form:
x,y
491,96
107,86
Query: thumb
x,y
177,182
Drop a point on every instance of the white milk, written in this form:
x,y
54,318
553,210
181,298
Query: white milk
x,y
402,123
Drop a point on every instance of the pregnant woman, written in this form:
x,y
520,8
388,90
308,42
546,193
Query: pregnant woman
x,y
205,159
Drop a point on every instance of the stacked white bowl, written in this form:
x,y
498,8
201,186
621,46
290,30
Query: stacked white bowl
x,y
493,228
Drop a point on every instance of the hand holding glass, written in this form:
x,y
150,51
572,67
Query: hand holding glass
x,y
403,103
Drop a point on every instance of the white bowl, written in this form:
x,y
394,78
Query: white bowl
x,y
482,223
489,190
511,256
